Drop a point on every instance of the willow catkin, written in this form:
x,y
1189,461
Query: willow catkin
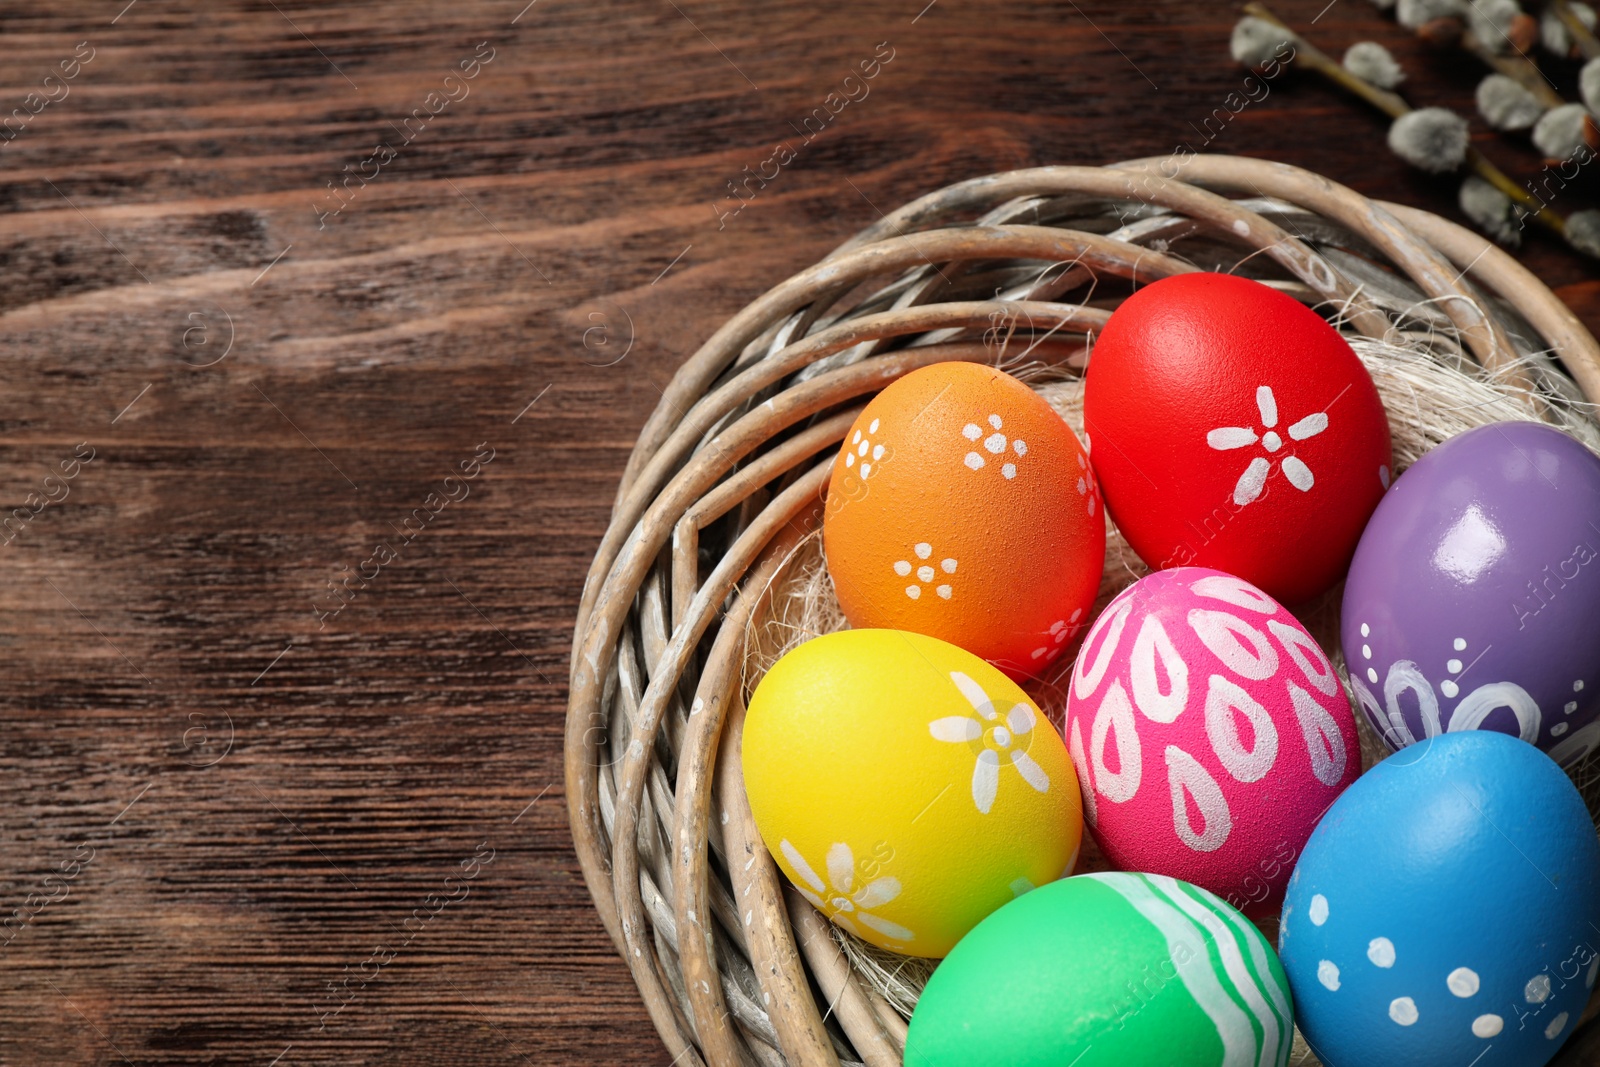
x,y
1371,62
1507,104
1554,34
1493,21
1256,42
1414,14
1589,84
1433,139
1562,131
1490,210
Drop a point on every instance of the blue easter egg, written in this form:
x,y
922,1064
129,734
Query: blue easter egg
x,y
1447,904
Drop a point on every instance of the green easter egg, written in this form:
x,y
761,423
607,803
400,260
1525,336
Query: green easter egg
x,y
1107,970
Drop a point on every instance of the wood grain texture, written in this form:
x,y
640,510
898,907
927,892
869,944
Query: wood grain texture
x,y
228,813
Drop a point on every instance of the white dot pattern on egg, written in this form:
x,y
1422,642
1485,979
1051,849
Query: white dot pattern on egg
x,y
1463,982
1199,704
1413,980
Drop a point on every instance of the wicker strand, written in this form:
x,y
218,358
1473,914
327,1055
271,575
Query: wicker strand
x,y
843,994
1426,266
758,887
1571,342
719,682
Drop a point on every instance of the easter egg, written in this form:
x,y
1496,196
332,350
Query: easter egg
x,y
1231,427
1107,970
906,787
1447,904
1473,601
961,506
1209,732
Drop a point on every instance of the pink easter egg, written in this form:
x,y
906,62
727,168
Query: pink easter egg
x,y
1209,732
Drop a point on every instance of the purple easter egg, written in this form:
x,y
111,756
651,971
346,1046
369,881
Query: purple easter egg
x,y
1473,600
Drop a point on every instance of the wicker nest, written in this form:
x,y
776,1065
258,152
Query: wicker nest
x,y
711,565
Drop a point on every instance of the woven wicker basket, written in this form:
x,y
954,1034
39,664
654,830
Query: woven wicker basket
x,y
729,478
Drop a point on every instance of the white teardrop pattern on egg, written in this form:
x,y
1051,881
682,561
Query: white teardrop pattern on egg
x,y
1226,635
1324,742
1235,591
1153,644
1223,699
1224,438
1031,772
1103,638
1075,750
1186,777
1115,719
1307,655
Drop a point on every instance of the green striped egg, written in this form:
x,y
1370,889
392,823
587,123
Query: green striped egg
x,y
1107,970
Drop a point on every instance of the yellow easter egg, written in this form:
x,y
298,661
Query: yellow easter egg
x,y
906,787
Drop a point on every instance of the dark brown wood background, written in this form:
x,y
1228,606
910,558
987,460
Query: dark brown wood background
x,y
218,808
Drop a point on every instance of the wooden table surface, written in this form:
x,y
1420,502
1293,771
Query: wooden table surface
x,y
321,365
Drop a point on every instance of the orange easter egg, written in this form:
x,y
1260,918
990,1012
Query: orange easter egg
x,y
962,507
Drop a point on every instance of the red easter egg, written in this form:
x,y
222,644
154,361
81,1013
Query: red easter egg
x,y
1231,427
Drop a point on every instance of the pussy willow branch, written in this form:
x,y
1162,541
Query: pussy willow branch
x,y
1582,35
1524,71
1395,106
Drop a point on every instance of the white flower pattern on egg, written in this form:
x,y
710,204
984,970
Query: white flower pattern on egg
x,y
839,900
1254,478
925,573
999,737
863,448
993,445
1061,631
1086,479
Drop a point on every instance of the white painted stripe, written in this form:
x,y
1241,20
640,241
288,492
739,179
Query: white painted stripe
x,y
1232,961
1263,971
1239,1045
